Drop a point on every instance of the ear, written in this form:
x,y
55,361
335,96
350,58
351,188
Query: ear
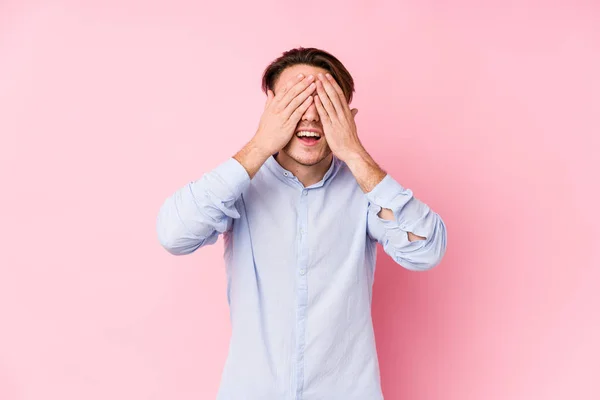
x,y
354,112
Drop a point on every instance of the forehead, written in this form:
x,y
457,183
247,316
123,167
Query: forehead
x,y
294,70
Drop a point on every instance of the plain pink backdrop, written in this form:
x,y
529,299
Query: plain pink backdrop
x,y
489,111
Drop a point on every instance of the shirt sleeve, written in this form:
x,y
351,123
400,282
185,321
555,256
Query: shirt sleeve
x,y
410,215
196,214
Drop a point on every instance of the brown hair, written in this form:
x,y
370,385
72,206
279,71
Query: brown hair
x,y
309,56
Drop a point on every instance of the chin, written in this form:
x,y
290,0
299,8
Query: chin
x,y
307,158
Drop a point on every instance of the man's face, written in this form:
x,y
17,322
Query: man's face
x,y
296,149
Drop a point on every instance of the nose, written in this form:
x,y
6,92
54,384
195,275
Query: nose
x,y
311,114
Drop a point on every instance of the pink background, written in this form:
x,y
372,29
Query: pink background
x,y
490,113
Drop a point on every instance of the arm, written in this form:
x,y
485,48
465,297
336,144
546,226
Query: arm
x,y
195,215
412,234
410,216
368,175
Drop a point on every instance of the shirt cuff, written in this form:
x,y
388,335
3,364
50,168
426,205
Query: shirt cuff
x,y
386,191
410,214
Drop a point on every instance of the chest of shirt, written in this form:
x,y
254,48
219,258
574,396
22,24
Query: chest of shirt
x,y
287,222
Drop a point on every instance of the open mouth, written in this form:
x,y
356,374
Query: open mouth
x,y
308,138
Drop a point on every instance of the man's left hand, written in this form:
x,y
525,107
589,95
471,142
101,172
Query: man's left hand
x,y
337,118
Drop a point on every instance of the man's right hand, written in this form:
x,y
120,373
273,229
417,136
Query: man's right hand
x,y
283,112
278,122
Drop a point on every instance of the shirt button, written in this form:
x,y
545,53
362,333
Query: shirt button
x,y
302,271
285,173
305,192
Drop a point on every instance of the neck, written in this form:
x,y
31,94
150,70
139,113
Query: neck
x,y
307,174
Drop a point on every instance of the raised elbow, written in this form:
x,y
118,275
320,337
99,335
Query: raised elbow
x,y
172,234
437,248
169,239
169,243
423,255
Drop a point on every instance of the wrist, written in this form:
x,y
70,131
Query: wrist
x,y
353,155
252,157
366,171
260,150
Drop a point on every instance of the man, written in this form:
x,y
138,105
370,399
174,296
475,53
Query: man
x,y
301,208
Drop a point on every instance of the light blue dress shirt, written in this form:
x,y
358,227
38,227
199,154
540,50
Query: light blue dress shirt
x,y
300,263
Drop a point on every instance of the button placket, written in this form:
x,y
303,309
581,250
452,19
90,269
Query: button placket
x,y
302,289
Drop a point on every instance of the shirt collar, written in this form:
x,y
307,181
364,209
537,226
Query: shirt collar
x,y
287,177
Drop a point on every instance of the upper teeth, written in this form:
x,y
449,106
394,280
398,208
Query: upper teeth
x,y
306,133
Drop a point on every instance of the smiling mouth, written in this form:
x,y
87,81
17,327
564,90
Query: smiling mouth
x,y
308,135
308,142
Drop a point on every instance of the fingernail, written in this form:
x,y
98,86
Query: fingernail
x,y
310,77
328,76
300,75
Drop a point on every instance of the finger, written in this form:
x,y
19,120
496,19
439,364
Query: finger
x,y
325,100
337,88
298,100
299,112
277,97
321,110
295,91
270,96
333,97
288,85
